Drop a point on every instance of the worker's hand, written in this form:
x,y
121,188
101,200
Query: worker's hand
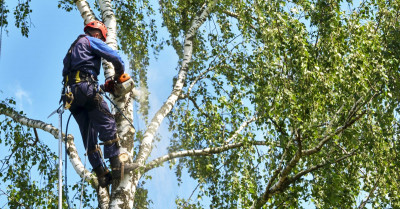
x,y
109,86
117,76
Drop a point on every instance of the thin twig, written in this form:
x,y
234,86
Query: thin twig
x,y
9,197
244,125
36,138
371,193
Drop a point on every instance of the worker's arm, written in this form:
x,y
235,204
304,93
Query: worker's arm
x,y
102,49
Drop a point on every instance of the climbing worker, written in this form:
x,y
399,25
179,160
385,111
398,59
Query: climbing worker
x,y
81,96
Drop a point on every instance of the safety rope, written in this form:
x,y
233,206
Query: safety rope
x,y
126,105
66,171
60,112
118,109
84,165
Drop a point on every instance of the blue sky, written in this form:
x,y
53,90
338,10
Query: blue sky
x,y
31,73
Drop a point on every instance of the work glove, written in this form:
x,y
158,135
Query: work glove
x,y
117,77
109,85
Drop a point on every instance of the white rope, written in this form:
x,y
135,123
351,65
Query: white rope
x,y
60,138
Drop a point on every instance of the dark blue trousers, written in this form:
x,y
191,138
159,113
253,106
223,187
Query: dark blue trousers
x,y
94,118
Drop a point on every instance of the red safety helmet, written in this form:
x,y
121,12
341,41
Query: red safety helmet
x,y
97,25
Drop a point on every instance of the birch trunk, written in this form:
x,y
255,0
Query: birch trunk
x,y
86,13
122,195
72,151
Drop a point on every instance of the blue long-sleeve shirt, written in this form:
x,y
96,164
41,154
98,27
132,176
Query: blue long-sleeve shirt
x,y
86,56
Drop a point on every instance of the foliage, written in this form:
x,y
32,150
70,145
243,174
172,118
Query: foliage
x,y
21,15
306,89
308,71
137,34
3,14
142,200
26,154
29,168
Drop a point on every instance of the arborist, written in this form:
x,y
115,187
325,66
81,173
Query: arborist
x,y
81,95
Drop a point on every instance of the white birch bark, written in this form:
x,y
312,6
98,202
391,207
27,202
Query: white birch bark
x,y
109,20
207,151
86,13
147,142
72,151
125,130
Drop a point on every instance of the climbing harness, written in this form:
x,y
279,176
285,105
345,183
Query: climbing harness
x,y
69,97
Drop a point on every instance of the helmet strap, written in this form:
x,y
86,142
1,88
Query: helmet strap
x,y
95,34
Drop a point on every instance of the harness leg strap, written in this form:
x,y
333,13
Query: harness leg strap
x,y
110,142
97,149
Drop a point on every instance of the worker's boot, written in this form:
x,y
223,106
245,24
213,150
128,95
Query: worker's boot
x,y
120,165
103,176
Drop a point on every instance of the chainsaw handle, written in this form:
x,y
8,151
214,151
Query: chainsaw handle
x,y
124,77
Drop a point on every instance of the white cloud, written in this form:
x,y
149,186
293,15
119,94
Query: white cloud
x,y
22,97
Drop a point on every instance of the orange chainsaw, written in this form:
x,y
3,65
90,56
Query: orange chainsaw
x,y
120,87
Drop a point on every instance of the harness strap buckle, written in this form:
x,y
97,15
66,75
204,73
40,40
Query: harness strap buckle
x,y
69,97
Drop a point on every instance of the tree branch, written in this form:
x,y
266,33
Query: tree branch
x,y
203,152
304,172
349,122
146,145
197,107
202,74
285,181
199,77
36,138
278,169
371,194
327,137
124,190
237,16
259,202
72,151
110,21
15,198
244,125
278,128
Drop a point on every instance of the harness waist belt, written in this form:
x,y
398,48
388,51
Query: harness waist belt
x,y
77,77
